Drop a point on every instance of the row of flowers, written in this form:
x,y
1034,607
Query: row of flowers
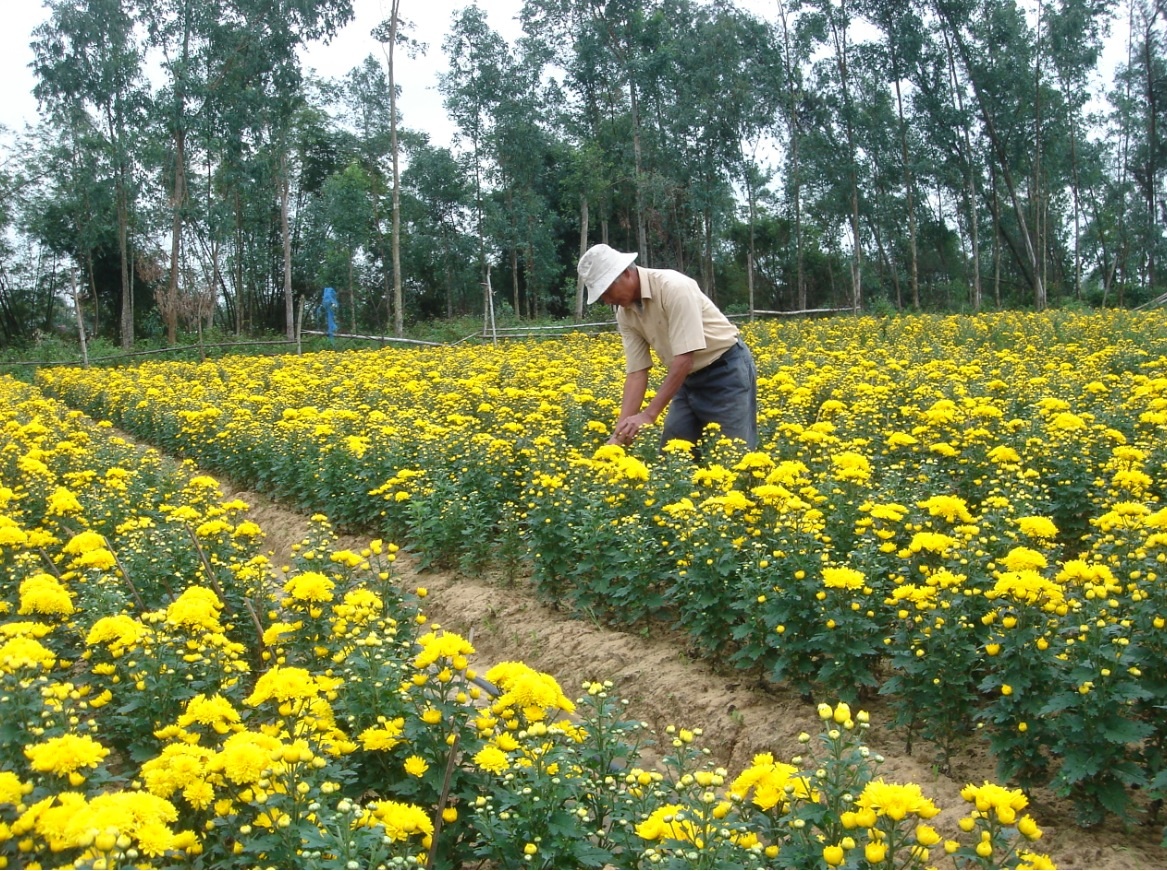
x,y
963,512
172,699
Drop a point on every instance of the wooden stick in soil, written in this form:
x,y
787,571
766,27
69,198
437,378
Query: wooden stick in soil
x,y
442,799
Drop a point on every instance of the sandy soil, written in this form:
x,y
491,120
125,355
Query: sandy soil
x,y
664,685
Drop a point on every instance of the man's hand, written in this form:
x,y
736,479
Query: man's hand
x,y
628,428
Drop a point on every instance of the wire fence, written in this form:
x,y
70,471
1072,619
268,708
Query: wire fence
x,y
487,334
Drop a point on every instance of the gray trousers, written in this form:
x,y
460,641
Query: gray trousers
x,y
724,392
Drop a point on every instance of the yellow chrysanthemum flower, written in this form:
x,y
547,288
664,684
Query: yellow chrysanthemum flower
x,y
896,801
66,754
843,578
310,587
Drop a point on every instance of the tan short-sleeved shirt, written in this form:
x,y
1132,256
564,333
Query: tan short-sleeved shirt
x,y
674,317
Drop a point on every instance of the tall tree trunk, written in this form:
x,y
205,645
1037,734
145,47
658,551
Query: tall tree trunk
x,y
92,275
910,195
996,241
352,296
751,200
286,236
795,174
122,195
1152,183
241,296
448,270
178,197
624,55
123,212
533,301
397,304
515,281
1002,159
840,40
800,259
707,265
641,226
1037,195
885,259
1076,190
176,204
580,290
974,241
532,297
1120,255
969,178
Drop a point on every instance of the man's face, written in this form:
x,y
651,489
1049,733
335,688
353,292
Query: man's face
x,y
624,291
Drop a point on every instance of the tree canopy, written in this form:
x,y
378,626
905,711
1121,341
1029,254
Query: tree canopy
x,y
862,154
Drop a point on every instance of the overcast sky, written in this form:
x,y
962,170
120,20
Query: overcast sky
x,y
420,103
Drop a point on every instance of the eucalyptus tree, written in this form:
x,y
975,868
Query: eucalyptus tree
x,y
903,32
724,83
955,163
523,155
839,158
593,116
1102,175
88,65
255,100
370,110
40,243
994,50
438,208
628,27
346,207
392,34
180,30
471,91
624,73
586,167
12,323
886,205
1140,101
797,48
65,206
1075,30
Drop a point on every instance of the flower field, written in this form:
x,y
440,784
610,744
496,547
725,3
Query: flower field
x,y
171,699
963,513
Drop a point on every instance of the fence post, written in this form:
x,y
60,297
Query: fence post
x,y
299,327
80,319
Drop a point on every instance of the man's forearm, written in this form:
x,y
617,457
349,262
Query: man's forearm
x,y
679,369
635,387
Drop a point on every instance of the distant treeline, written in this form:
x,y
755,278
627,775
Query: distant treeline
x,y
869,154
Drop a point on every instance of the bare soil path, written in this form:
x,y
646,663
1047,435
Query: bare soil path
x,y
738,716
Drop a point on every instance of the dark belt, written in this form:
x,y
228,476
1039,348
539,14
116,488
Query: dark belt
x,y
736,348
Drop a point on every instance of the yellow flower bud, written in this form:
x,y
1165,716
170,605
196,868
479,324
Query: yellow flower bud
x,y
926,835
1027,826
875,852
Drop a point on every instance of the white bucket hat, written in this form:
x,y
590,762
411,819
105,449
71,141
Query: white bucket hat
x,y
600,266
